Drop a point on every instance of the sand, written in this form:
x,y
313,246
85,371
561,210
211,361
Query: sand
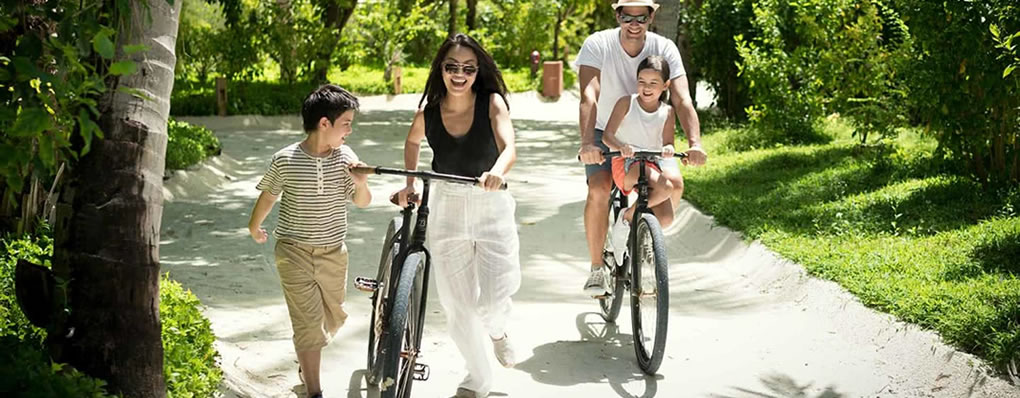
x,y
743,322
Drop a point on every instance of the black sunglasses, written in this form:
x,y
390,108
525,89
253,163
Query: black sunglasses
x,y
453,68
627,18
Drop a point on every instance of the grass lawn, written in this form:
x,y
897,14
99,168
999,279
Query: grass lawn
x,y
893,223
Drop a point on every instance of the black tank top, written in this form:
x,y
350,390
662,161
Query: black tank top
x,y
469,155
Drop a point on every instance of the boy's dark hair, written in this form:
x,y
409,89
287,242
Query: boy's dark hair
x,y
658,64
328,101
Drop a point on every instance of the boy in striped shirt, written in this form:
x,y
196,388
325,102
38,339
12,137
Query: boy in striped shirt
x,y
315,181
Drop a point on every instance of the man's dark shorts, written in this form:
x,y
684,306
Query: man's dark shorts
x,y
590,169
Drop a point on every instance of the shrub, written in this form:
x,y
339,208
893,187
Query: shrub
x,y
189,358
188,144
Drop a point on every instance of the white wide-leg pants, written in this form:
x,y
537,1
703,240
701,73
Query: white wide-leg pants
x,y
472,235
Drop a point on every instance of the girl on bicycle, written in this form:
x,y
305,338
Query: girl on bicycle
x,y
472,232
644,121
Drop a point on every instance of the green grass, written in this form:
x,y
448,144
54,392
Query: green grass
x,y
893,223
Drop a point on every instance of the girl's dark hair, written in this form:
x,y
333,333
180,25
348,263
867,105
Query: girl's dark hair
x,y
658,64
488,79
328,101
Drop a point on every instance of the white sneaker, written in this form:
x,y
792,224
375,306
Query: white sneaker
x,y
504,352
621,229
596,284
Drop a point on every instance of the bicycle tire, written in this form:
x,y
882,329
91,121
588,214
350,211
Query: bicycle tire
x,y
611,304
400,341
391,248
649,297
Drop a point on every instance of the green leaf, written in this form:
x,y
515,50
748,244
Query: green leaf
x,y
31,122
1009,69
102,44
6,23
134,48
994,29
46,151
121,68
87,128
135,92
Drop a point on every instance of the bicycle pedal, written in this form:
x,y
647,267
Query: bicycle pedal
x,y
421,372
364,284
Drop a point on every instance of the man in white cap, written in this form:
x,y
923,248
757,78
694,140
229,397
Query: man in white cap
x,y
608,70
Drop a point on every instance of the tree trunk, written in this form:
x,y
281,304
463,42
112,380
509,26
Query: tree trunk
x,y
667,24
451,28
469,19
107,229
336,15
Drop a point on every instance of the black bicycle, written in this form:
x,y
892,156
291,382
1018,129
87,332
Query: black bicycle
x,y
647,277
400,291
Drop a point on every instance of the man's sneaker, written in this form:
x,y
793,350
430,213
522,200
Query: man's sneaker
x,y
621,228
504,352
465,393
596,284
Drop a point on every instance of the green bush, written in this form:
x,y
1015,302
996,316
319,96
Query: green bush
x,y
189,358
187,145
714,27
957,82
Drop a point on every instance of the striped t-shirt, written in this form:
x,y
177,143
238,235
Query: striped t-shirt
x,y
313,208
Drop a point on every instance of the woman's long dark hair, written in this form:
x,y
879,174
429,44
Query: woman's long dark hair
x,y
488,79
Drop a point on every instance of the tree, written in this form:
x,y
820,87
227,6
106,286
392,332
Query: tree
x,y
106,237
670,22
335,14
451,28
472,11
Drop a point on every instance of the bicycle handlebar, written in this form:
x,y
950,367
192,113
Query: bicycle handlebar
x,y
641,153
421,174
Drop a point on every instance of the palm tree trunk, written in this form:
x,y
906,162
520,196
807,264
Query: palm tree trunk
x,y
667,24
107,233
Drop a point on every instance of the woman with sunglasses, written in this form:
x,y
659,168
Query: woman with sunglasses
x,y
472,232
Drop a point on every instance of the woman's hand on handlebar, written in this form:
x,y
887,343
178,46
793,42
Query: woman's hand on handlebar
x,y
403,195
490,181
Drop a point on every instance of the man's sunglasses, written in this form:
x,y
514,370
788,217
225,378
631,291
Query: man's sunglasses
x,y
627,18
453,68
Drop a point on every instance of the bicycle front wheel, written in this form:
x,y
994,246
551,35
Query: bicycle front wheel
x,y
391,247
649,293
400,345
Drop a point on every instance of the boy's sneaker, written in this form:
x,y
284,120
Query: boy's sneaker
x,y
621,229
596,284
504,352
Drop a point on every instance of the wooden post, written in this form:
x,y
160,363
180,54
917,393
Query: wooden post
x,y
221,96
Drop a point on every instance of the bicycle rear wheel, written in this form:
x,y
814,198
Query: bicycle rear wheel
x,y
400,345
610,304
649,293
391,248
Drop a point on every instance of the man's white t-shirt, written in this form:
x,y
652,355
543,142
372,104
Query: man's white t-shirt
x,y
603,51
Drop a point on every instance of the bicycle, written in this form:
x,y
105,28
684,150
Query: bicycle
x,y
646,239
398,304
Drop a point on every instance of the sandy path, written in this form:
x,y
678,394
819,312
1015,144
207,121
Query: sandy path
x,y
743,322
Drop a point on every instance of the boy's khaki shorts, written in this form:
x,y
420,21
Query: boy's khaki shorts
x,y
314,280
